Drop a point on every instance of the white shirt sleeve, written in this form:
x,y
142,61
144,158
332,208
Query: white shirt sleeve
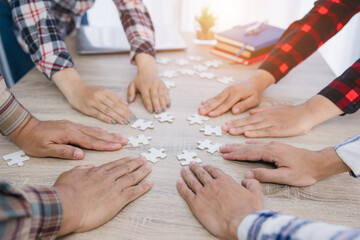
x,y
349,152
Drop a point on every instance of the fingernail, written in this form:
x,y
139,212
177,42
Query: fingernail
x,y
133,118
163,109
236,110
159,110
168,105
124,121
249,175
151,110
180,181
113,121
77,154
128,100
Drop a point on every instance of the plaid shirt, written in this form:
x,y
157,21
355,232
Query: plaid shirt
x,y
305,36
12,113
29,213
41,25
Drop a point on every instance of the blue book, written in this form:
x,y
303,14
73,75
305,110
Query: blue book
x,y
252,37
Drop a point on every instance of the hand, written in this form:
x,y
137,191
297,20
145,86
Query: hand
x,y
239,97
217,200
96,102
294,166
91,196
153,90
56,139
284,120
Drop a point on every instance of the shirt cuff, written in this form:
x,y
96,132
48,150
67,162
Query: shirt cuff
x,y
46,212
349,152
141,47
52,64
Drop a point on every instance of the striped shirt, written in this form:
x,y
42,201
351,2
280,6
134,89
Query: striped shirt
x,y
42,25
12,113
272,225
305,36
29,213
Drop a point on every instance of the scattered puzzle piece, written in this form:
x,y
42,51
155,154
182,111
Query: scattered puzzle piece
x,y
188,72
164,117
188,157
197,118
226,80
135,141
163,60
209,145
195,58
142,124
214,63
200,68
207,75
154,155
16,158
168,74
209,130
170,84
182,62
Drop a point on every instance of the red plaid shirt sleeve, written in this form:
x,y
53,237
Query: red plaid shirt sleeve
x,y
305,36
138,27
29,213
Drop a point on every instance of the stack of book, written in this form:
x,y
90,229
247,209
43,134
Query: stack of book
x,y
246,44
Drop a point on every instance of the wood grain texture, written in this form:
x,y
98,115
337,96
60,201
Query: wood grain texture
x,y
162,213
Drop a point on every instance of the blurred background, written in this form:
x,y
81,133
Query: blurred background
x,y
340,52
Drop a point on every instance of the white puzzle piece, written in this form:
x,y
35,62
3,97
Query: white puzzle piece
x,y
170,84
200,68
209,145
209,130
135,141
207,75
16,158
142,124
188,157
188,72
168,74
163,60
154,155
164,117
197,118
214,63
182,62
226,80
195,58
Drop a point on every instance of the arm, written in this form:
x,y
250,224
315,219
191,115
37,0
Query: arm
x,y
140,33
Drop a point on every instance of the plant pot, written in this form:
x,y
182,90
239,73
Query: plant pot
x,y
209,35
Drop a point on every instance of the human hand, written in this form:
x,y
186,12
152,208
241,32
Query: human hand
x,y
93,101
153,90
217,200
283,120
294,166
239,97
91,196
56,139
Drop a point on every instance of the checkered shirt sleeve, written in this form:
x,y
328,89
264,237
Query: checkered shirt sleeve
x,y
29,213
305,36
138,27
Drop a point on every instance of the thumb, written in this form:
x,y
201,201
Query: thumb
x,y
66,152
131,92
253,186
278,175
259,110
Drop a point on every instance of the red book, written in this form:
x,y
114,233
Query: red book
x,y
231,57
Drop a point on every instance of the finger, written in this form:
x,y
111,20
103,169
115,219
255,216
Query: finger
x,y
127,166
259,110
189,178
279,175
131,93
121,108
253,186
133,178
83,167
167,98
111,165
251,153
240,122
145,96
265,132
102,135
200,173
135,192
64,151
251,127
227,148
99,115
214,172
244,105
212,103
107,107
185,192
163,101
223,107
155,100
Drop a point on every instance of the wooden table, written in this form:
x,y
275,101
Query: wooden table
x,y
162,213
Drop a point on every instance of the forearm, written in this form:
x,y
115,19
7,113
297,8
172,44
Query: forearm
x,y
267,224
146,63
68,81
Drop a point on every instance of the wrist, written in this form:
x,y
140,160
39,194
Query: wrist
x,y
261,79
146,63
69,82
20,133
234,226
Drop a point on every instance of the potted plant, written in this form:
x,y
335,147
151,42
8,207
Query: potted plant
x,y
206,21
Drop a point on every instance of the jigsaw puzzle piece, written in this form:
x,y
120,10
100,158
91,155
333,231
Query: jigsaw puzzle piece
x,y
164,117
188,157
142,124
16,158
209,145
154,155
197,118
135,141
209,130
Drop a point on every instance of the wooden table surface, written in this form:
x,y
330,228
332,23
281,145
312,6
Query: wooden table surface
x,y
162,213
